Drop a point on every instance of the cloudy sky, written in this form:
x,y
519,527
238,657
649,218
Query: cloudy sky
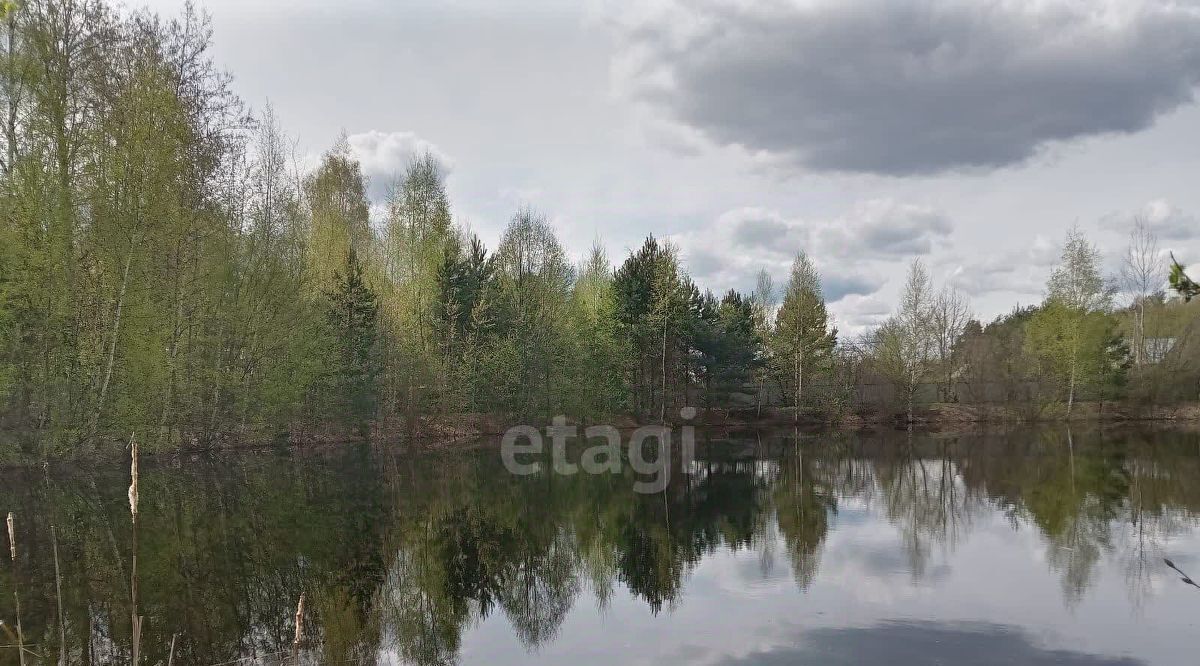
x,y
866,132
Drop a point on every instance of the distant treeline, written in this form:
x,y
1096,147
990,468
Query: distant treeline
x,y
166,268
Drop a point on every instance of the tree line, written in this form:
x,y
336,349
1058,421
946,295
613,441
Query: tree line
x,y
167,267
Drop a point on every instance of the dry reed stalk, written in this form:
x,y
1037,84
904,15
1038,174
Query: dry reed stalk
x,y
299,629
133,476
62,625
135,619
171,656
12,550
20,632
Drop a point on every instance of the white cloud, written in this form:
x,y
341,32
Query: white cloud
x,y
857,313
384,156
850,249
1020,271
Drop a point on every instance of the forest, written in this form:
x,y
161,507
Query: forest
x,y
169,268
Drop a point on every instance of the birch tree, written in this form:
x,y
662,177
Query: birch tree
x,y
802,341
1066,332
1142,276
948,315
905,347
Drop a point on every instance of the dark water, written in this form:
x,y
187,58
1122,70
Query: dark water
x,y
1027,548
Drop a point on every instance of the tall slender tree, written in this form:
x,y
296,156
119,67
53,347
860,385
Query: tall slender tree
x,y
802,341
354,320
905,348
1070,332
1142,276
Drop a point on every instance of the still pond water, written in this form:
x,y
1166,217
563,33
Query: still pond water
x,y
1025,548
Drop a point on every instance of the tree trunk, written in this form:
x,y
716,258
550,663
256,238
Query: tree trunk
x,y
798,370
112,347
762,381
662,415
1139,352
164,422
1071,389
912,389
10,129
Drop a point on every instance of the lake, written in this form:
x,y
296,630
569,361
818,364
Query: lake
x,y
1030,547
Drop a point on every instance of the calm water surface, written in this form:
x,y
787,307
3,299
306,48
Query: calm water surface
x,y
1026,548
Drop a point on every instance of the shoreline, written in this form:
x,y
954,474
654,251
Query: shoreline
x,y
466,431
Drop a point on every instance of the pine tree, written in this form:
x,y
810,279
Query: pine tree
x,y
1181,283
651,311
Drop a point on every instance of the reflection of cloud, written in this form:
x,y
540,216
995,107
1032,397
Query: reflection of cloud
x,y
891,643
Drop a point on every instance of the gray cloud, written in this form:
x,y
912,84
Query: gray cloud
x,y
761,229
836,287
885,228
704,264
873,228
1168,222
906,88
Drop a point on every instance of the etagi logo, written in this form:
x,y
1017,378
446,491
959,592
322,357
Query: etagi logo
x,y
526,441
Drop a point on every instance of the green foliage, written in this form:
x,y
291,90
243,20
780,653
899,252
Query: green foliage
x,y
802,341
1181,283
532,289
1077,351
165,269
1073,336
353,318
337,199
595,389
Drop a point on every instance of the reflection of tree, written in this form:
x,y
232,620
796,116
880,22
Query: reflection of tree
x,y
347,634
473,549
1092,495
802,508
648,564
406,553
419,619
1153,517
927,500
1073,497
542,586
1075,548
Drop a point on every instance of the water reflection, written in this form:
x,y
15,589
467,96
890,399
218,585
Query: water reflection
x,y
441,558
918,642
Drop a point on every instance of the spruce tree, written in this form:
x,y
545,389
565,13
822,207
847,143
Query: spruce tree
x,y
353,318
